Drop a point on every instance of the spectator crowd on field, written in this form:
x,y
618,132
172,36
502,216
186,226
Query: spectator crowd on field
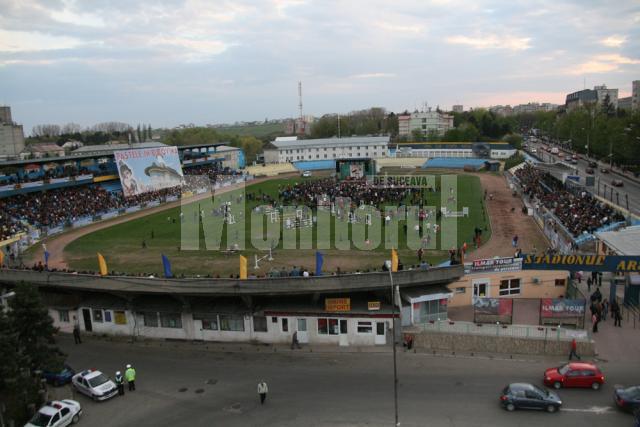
x,y
579,213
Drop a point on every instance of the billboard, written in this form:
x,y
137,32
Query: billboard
x,y
552,307
494,306
495,265
337,304
148,169
613,263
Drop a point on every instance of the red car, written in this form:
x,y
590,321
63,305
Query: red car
x,y
574,375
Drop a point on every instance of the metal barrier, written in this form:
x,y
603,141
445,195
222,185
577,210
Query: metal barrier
x,y
500,330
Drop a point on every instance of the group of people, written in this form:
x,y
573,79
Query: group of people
x,y
601,308
579,213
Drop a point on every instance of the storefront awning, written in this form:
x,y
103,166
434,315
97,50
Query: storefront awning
x,y
431,293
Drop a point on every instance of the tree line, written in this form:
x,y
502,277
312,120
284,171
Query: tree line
x,y
100,133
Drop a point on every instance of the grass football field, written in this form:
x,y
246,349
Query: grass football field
x,y
122,244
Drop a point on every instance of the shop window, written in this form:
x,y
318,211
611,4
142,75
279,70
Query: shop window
x,y
107,315
461,290
150,319
259,324
97,316
210,323
285,324
333,326
322,327
274,319
561,282
327,326
232,322
365,327
171,320
63,316
120,318
510,287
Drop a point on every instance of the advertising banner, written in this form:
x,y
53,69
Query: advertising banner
x,y
582,263
337,304
495,264
494,306
560,307
148,169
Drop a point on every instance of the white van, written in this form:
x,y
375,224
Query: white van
x,y
555,150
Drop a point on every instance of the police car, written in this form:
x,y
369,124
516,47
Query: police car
x,y
94,384
58,413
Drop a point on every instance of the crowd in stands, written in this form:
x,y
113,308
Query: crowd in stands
x,y
66,172
579,213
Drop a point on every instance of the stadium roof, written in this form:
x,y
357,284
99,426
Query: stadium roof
x,y
331,142
110,148
625,241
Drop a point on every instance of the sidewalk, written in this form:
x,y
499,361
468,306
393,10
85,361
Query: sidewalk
x,y
613,344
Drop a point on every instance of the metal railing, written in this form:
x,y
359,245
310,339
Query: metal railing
x,y
548,333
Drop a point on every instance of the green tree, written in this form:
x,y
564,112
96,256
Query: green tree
x,y
139,133
250,145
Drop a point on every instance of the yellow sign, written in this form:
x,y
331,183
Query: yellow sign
x,y
374,305
120,318
337,304
104,178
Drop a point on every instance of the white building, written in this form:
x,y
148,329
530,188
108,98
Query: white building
x,y
457,108
427,122
292,150
602,92
635,95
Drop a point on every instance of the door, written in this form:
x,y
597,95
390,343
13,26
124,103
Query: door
x,y
343,338
86,315
303,335
381,331
572,379
65,413
534,400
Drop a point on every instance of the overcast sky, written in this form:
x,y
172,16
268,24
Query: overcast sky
x,y
167,62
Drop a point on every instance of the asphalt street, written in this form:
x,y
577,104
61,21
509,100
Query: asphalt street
x,y
628,193
196,387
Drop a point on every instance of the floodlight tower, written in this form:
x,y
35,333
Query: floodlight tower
x,y
301,126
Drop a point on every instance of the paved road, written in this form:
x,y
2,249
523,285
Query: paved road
x,y
336,389
629,192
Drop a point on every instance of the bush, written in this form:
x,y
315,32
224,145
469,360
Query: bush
x,y
512,161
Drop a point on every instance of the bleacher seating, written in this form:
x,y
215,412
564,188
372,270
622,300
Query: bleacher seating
x,y
271,169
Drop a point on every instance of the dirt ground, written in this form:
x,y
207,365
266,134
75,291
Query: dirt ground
x,y
505,223
507,220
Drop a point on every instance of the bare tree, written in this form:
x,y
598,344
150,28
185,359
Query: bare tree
x,y
46,130
71,128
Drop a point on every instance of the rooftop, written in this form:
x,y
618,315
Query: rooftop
x,y
328,142
625,241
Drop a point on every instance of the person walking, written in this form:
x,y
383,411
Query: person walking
x,y
294,341
76,334
262,391
574,347
615,312
130,376
594,322
120,383
589,282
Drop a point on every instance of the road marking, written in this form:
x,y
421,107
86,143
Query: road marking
x,y
598,410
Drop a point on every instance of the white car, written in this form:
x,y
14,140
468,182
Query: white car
x,y
58,413
94,384
306,173
533,150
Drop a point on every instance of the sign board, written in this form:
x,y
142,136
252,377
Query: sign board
x,y
494,306
622,264
494,265
559,307
337,304
373,305
148,169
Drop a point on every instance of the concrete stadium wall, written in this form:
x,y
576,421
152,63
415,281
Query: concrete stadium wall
x,y
461,343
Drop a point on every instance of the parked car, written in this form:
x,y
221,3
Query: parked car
x,y
94,384
573,161
306,173
58,413
579,374
576,157
593,165
534,150
617,183
529,396
604,170
60,377
627,398
589,171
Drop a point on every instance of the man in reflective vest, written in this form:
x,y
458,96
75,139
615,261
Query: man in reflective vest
x,y
130,376
120,383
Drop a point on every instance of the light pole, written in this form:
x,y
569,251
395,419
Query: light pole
x,y
393,337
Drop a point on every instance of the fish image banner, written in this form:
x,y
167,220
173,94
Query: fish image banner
x,y
148,169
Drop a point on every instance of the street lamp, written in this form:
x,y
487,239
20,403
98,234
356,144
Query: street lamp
x,y
393,337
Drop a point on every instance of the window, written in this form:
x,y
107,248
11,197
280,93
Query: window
x,y
63,316
365,327
259,324
65,411
561,282
150,319
107,315
55,419
232,322
510,287
333,326
210,324
461,290
97,316
285,324
274,319
120,317
322,327
171,320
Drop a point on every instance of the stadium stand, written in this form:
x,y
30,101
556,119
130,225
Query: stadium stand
x,y
270,170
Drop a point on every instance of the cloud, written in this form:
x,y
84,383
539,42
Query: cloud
x,y
23,41
491,41
604,63
372,75
613,41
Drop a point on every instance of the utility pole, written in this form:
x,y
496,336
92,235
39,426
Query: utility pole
x,y
393,337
